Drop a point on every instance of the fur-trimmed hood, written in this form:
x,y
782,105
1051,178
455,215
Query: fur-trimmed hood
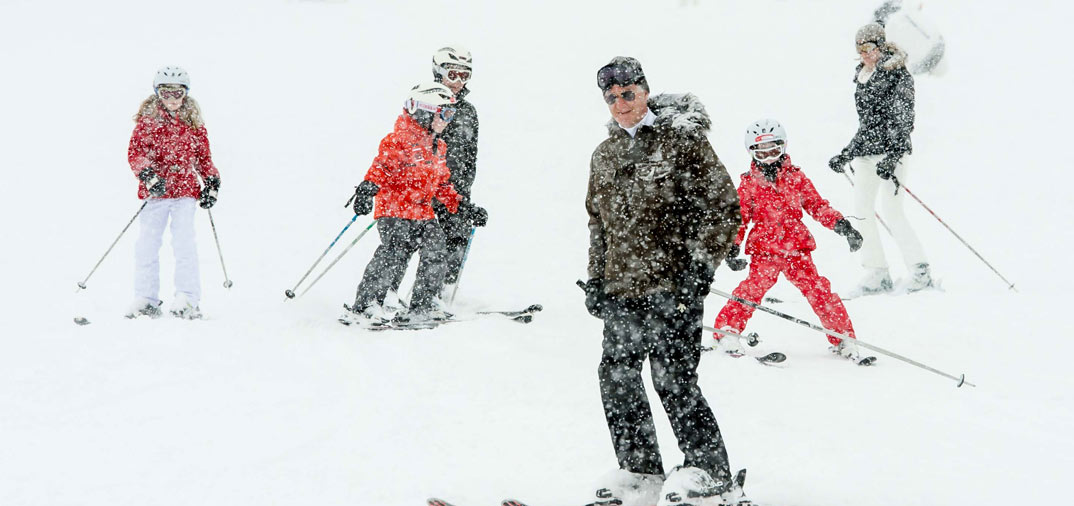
x,y
894,57
681,112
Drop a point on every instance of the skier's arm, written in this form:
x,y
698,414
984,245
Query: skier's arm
x,y
139,149
205,165
746,207
465,169
597,244
384,163
815,205
714,196
902,111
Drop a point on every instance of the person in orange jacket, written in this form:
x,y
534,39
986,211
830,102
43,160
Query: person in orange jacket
x,y
408,173
772,196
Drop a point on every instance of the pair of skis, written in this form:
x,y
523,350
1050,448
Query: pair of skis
x,y
519,316
750,339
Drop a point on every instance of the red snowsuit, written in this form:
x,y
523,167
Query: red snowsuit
x,y
781,243
410,173
178,152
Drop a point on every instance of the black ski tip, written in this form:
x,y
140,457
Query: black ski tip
x,y
512,502
81,320
437,502
740,478
867,361
535,308
526,318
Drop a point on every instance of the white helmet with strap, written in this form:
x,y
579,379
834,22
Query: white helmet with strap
x,y
428,97
762,132
172,75
450,58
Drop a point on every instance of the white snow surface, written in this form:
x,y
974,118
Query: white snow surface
x,y
271,402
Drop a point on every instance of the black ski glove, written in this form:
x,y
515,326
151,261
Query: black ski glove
x,y
732,260
475,214
153,182
885,168
363,197
596,301
207,199
838,162
697,280
843,228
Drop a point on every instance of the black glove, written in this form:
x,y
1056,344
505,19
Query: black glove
x,y
886,168
732,260
843,228
595,298
838,162
153,182
477,215
207,199
697,279
363,197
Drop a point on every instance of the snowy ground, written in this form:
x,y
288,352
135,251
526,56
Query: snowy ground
x,y
271,402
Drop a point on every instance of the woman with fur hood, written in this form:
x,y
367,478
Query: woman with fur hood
x,y
168,151
880,151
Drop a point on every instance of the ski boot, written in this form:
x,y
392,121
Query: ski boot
x,y
624,488
142,307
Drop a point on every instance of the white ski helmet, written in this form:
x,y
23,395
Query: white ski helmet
x,y
428,97
762,131
452,58
171,75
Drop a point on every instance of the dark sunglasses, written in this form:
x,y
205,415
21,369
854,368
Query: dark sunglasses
x,y
623,75
171,93
627,96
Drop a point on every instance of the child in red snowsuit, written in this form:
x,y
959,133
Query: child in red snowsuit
x,y
772,196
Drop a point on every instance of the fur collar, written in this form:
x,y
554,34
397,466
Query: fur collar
x,y
682,113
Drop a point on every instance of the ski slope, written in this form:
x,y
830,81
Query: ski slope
x,y
271,402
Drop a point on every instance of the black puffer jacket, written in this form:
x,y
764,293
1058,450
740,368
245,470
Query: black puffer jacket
x,y
660,202
461,138
885,105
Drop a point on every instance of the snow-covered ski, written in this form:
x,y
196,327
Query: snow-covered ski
x,y
739,479
519,316
752,340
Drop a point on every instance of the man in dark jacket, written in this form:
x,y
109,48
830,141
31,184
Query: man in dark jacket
x,y
663,213
453,67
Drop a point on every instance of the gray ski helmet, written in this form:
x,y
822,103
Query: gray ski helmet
x,y
171,75
872,32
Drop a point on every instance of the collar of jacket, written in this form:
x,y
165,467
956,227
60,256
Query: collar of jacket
x,y
681,113
785,165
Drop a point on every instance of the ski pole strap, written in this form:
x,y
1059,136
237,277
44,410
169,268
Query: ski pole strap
x,y
344,252
960,379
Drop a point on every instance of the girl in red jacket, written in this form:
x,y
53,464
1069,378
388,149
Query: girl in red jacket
x,y
772,196
168,151
408,173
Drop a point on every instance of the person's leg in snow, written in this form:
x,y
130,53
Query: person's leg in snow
x,y
184,245
764,272
152,221
802,273
398,241
431,266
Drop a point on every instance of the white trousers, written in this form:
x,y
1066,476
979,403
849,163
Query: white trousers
x,y
868,190
147,250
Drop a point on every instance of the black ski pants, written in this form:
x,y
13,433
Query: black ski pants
x,y
399,240
669,334
457,233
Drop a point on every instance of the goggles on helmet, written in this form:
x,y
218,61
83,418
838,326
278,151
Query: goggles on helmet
x,y
623,74
166,91
446,113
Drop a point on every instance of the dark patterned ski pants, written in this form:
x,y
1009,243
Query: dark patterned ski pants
x,y
669,335
399,239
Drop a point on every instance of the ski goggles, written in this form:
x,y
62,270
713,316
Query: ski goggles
x,y
627,96
171,92
446,113
767,152
454,75
621,73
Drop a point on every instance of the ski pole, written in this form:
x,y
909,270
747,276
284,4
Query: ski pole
x,y
291,293
465,254
227,281
82,284
949,229
878,218
960,379
344,252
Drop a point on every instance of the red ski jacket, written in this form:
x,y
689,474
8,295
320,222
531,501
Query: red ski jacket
x,y
178,152
411,173
776,211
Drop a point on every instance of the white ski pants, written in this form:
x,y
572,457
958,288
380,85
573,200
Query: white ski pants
x,y
147,249
868,190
